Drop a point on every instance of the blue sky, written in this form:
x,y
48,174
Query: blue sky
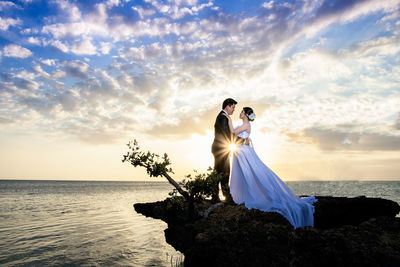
x,y
86,76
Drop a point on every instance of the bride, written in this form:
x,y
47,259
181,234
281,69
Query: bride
x,y
258,187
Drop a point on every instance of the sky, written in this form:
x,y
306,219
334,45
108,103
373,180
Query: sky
x,y
80,79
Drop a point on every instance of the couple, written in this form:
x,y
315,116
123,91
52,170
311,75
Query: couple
x,y
252,183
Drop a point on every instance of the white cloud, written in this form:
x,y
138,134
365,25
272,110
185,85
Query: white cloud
x,y
336,139
29,31
208,58
148,52
84,47
34,40
112,3
105,48
58,74
183,2
76,68
345,14
144,12
70,9
92,24
5,23
26,85
41,73
202,6
58,45
268,5
178,13
69,100
159,6
383,46
48,62
99,23
179,8
26,75
13,50
7,4
60,30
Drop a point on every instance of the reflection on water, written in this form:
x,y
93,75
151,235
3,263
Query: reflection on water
x,y
383,189
81,223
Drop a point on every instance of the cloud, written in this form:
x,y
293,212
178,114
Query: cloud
x,y
5,120
268,5
83,47
57,44
183,2
381,46
112,3
26,84
105,48
76,68
69,100
334,139
60,30
26,75
5,23
330,12
91,24
189,122
103,131
144,12
34,40
48,62
17,51
6,4
171,58
71,10
101,22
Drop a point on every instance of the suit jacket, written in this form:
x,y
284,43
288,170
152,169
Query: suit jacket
x,y
222,134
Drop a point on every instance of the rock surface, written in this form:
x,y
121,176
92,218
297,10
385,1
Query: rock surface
x,y
348,232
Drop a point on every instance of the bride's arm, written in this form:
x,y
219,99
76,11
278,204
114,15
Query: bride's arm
x,y
241,128
230,123
238,130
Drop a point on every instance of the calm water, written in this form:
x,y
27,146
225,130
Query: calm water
x,y
94,224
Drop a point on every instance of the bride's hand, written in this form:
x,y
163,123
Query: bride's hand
x,y
229,118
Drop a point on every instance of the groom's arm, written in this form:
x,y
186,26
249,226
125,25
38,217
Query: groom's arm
x,y
224,125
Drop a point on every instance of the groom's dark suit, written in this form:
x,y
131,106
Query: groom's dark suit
x,y
220,150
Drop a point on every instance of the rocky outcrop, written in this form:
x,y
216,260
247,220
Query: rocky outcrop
x,y
348,232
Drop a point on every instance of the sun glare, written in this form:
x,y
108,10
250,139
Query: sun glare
x,y
232,147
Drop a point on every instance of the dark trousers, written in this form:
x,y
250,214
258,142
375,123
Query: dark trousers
x,y
222,166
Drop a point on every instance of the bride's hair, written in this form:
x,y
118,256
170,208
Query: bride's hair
x,y
249,113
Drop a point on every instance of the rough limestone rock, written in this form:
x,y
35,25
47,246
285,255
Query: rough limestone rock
x,y
348,232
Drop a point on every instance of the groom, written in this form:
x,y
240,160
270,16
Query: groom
x,y
220,149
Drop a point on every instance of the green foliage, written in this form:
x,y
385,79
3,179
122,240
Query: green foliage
x,y
200,185
176,205
151,161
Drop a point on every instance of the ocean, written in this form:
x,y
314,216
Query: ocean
x,y
92,223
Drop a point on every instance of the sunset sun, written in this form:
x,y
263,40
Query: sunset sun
x,y
232,147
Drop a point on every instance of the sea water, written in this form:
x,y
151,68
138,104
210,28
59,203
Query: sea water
x,y
82,223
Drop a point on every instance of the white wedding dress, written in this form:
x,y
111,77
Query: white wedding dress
x,y
255,185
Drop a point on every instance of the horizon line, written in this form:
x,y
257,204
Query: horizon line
x,y
165,181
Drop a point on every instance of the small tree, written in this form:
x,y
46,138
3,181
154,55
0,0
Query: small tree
x,y
202,185
154,166
199,186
